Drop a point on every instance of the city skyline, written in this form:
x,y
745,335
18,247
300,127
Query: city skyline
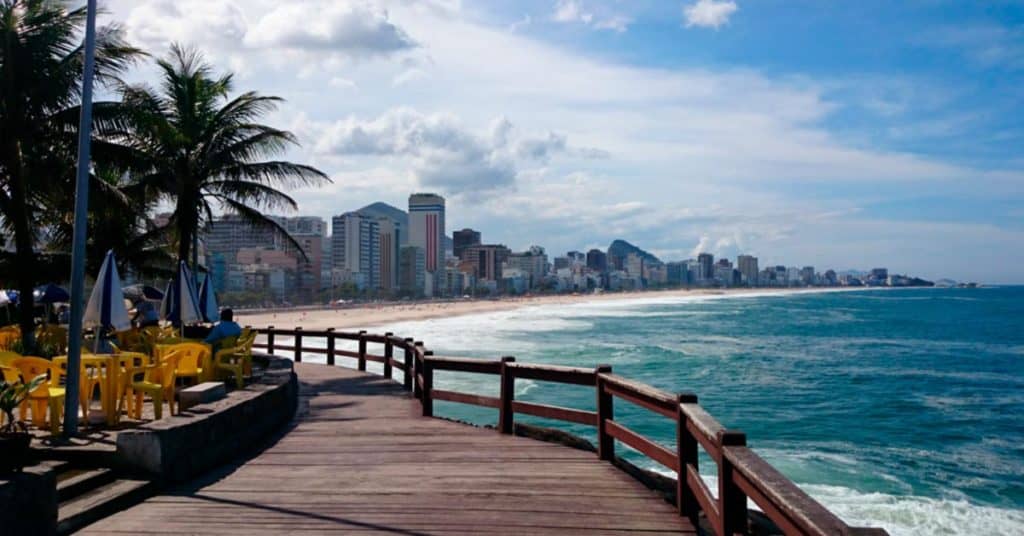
x,y
380,250
809,131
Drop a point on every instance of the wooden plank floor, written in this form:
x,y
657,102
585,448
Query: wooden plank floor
x,y
360,459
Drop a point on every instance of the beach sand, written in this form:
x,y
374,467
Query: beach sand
x,y
361,316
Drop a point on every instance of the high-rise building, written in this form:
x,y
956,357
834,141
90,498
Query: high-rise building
x,y
706,267
463,239
532,263
426,231
597,260
807,275
747,265
304,225
634,265
355,250
576,257
389,234
677,273
412,269
228,234
487,260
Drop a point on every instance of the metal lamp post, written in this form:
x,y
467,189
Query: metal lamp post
x,y
81,212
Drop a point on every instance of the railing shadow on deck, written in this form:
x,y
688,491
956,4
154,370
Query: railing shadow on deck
x,y
742,474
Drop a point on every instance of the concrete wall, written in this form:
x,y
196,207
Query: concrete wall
x,y
181,447
28,501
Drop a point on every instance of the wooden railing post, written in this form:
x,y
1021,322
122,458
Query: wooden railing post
x,y
428,384
732,502
389,352
362,350
410,372
417,391
686,452
298,345
270,340
605,412
506,420
330,346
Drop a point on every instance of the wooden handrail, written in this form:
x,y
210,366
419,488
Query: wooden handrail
x,y
742,474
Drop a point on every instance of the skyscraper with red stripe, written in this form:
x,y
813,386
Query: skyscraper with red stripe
x,y
426,231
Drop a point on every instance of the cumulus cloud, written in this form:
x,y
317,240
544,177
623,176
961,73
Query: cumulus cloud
x,y
573,11
709,13
156,23
444,154
350,27
541,148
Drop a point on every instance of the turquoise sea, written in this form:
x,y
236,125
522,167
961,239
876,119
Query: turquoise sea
x,y
896,408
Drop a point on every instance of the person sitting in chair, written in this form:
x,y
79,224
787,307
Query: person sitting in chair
x,y
227,327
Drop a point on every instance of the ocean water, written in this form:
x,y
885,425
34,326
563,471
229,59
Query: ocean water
x,y
895,408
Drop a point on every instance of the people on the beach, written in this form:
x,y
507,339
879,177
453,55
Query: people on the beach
x,y
227,327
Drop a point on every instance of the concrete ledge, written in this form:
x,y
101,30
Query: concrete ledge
x,y
178,448
28,501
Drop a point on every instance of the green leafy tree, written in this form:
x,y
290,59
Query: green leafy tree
x,y
202,149
41,60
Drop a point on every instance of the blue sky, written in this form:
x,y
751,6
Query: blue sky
x,y
838,134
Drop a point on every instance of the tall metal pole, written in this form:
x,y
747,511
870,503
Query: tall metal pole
x,y
81,212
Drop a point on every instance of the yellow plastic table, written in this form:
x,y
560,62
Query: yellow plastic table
x,y
106,366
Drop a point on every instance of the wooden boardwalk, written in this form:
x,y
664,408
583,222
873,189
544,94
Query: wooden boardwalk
x,y
360,458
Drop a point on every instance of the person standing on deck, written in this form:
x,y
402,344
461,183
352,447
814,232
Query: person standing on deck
x,y
227,327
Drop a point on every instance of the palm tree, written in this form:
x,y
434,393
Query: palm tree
x,y
41,61
203,150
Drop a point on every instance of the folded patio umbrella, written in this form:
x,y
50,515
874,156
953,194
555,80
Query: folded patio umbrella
x,y
105,308
51,293
207,301
181,302
141,292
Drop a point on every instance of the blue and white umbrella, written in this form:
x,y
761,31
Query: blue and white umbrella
x,y
106,303
207,301
51,293
181,302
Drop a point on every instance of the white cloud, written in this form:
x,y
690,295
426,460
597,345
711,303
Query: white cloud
x,y
684,152
339,82
709,13
573,11
350,27
157,23
444,154
521,23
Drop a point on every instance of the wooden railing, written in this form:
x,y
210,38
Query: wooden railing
x,y
742,474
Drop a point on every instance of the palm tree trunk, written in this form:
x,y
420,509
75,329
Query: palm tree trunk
x,y
24,256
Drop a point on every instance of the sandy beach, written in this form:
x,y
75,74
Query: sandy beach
x,y
375,314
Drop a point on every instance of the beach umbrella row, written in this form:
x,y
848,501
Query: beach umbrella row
x,y
50,294
106,307
180,305
141,292
208,301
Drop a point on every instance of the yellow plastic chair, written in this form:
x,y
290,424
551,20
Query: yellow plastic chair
x,y
158,383
11,375
53,335
127,364
94,376
8,336
236,360
7,358
131,340
192,361
49,395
